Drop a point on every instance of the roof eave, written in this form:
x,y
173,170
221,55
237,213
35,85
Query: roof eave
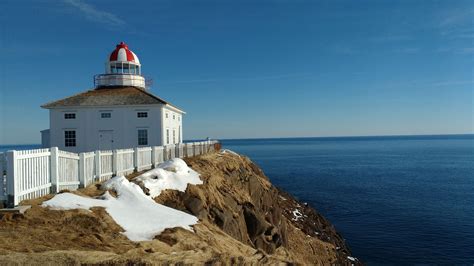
x,y
174,108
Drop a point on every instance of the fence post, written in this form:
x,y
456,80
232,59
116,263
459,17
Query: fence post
x,y
3,194
97,165
12,188
161,154
54,169
114,162
135,158
154,156
82,170
173,151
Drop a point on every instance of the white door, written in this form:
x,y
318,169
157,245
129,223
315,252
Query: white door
x,y
106,140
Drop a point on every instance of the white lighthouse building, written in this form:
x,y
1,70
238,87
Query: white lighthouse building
x,y
118,113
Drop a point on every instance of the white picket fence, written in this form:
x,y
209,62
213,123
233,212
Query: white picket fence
x,y
30,174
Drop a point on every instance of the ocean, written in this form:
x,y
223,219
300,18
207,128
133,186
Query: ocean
x,y
399,200
396,200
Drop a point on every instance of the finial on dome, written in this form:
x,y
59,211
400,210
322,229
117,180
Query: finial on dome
x,y
122,45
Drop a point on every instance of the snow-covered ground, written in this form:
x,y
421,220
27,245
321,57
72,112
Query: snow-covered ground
x,y
173,174
140,216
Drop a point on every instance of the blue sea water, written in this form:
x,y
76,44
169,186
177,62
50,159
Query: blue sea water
x,y
396,200
4,148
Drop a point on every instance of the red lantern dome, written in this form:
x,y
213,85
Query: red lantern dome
x,y
123,54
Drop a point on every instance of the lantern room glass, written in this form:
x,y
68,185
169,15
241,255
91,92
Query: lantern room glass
x,y
124,68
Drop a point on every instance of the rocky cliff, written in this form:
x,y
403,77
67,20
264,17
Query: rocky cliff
x,y
243,219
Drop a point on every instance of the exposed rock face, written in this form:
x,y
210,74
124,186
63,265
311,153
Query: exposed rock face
x,y
244,219
238,198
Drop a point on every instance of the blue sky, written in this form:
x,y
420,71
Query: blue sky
x,y
246,69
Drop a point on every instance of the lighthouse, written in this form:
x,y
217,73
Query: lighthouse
x,y
122,68
119,112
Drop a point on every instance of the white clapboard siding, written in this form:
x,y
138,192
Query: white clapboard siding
x,y
143,158
32,174
124,164
68,171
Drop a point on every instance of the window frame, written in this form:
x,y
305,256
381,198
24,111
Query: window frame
x,y
69,115
70,138
106,113
142,114
142,140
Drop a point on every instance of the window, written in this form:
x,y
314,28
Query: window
x,y
70,138
118,68
179,118
179,134
69,116
167,136
126,68
173,117
166,115
142,114
142,137
174,135
105,115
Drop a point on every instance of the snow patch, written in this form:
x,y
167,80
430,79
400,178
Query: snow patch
x,y
172,174
351,258
297,215
226,151
140,216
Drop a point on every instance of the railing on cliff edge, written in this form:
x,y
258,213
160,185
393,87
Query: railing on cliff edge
x,y
30,174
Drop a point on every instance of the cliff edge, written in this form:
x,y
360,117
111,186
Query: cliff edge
x,y
243,218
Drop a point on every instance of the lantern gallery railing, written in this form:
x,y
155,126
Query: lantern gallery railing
x,y
30,174
104,80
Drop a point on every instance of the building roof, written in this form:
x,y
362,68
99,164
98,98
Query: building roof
x,y
107,96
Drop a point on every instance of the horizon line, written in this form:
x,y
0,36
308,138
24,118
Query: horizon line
x,y
354,136
341,136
